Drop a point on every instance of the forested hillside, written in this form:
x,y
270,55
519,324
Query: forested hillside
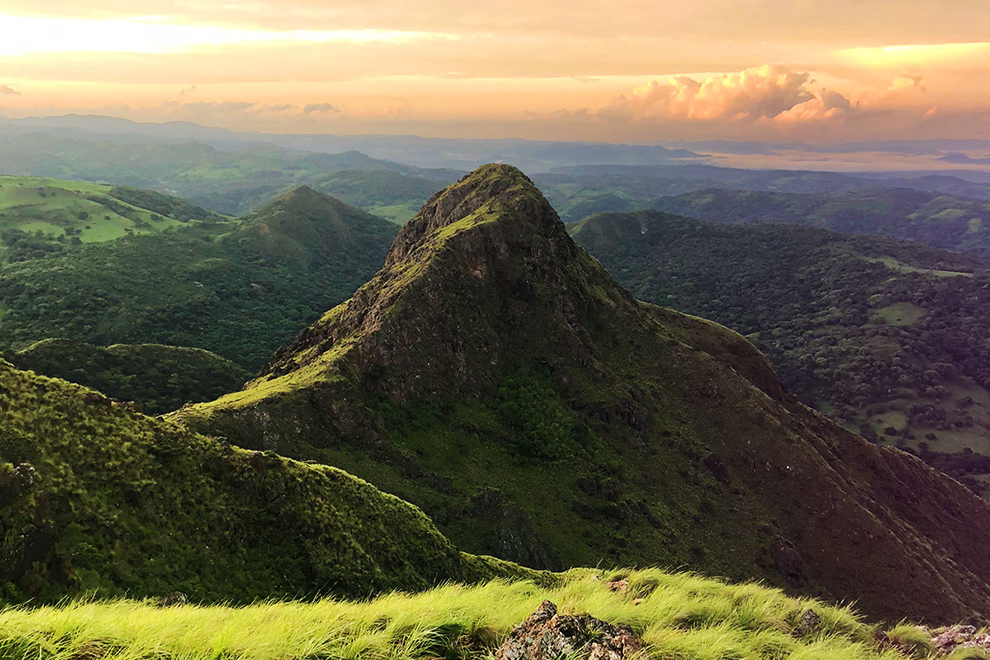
x,y
98,498
887,336
238,288
159,378
950,222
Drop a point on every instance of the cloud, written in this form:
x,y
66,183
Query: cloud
x,y
8,91
766,102
905,82
765,92
187,91
310,108
218,107
279,107
823,105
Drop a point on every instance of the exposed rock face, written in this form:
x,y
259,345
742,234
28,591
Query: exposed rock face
x,y
547,635
491,352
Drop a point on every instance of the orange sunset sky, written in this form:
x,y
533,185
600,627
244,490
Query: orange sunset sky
x,y
624,70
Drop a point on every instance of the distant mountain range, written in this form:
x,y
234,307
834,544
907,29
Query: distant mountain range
x,y
940,220
408,149
533,156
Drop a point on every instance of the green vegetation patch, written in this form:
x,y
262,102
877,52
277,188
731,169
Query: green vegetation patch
x,y
160,378
239,289
41,216
676,615
901,313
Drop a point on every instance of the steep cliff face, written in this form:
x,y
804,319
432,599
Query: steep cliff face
x,y
494,374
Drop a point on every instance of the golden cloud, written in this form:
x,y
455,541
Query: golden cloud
x,y
764,92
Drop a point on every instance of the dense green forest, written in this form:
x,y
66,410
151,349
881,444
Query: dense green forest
x,y
237,288
889,337
159,378
946,221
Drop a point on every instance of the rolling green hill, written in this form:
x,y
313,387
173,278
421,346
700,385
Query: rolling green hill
x,y
160,378
494,374
236,288
953,223
887,336
40,216
99,498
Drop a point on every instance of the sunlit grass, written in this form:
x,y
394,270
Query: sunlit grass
x,y
678,616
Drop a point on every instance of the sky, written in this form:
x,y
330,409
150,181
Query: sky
x,y
618,71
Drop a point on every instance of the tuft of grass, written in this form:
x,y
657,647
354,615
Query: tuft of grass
x,y
968,653
453,622
911,638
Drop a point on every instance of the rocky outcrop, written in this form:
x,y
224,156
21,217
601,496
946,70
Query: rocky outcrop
x,y
547,635
947,640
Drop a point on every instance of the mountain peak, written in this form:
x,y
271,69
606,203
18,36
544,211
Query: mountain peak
x,y
494,374
304,225
301,197
492,193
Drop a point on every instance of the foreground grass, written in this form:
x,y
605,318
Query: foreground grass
x,y
679,617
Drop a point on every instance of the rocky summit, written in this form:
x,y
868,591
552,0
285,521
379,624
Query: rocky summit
x,y
495,375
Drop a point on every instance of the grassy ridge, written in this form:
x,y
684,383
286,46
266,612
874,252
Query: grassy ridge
x,y
97,498
160,378
678,616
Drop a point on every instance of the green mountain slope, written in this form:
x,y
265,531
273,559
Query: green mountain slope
x,y
160,378
496,375
41,216
887,336
945,221
96,496
238,288
386,193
